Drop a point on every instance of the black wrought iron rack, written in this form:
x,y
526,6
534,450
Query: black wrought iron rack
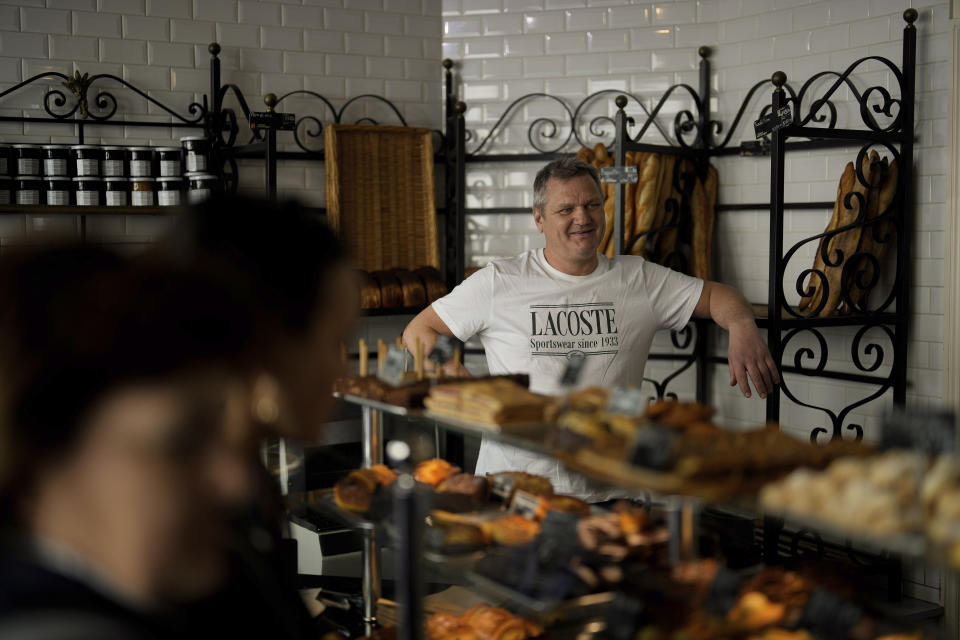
x,y
694,138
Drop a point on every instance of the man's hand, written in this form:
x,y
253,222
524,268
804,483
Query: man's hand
x,y
749,358
426,327
748,355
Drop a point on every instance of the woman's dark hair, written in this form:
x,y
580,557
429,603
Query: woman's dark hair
x,y
79,321
280,252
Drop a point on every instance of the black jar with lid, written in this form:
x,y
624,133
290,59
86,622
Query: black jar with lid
x,y
114,163
6,189
26,159
28,188
88,190
116,191
58,191
6,160
56,160
141,162
86,160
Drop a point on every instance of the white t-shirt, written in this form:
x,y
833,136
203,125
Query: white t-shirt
x,y
530,316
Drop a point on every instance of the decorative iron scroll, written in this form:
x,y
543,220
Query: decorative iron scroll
x,y
105,103
867,356
861,269
682,340
545,134
811,110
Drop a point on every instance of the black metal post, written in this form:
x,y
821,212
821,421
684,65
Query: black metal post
x,y
905,235
701,347
459,218
620,188
271,152
409,578
213,117
775,286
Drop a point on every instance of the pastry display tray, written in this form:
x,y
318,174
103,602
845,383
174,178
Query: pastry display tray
x,y
383,407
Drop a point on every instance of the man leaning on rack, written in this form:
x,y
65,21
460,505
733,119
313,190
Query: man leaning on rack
x,y
533,310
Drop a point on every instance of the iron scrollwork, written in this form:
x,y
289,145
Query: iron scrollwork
x,y
810,362
681,340
105,102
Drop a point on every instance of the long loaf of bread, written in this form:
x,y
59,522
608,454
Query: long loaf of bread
x,y
816,282
846,241
699,267
711,186
646,208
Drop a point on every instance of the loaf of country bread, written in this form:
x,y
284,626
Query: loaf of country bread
x,y
433,283
414,293
369,291
391,294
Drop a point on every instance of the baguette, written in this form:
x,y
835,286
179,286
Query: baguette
x,y
369,291
668,164
646,207
700,267
414,293
711,188
847,241
816,282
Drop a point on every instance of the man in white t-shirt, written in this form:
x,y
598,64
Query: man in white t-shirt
x,y
533,310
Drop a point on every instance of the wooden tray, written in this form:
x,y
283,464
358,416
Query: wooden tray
x,y
380,194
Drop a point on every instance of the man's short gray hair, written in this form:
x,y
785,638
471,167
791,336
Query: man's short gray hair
x,y
562,169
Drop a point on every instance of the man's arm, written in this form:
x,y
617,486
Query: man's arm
x,y
427,326
748,355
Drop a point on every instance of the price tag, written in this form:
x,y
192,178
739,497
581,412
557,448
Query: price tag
x,y
571,374
630,402
759,147
525,504
927,431
502,486
619,175
653,448
272,120
443,350
394,366
773,121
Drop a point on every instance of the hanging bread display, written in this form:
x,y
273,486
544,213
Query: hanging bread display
x,y
857,237
648,220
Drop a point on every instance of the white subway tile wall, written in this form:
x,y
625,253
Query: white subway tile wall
x,y
571,49
338,48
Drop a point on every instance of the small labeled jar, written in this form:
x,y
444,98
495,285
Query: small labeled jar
x,y
57,190
201,186
141,162
86,160
169,190
26,159
114,163
6,189
170,165
196,153
116,191
55,160
142,192
88,190
6,160
28,188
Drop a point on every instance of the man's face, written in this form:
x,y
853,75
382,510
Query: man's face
x,y
572,219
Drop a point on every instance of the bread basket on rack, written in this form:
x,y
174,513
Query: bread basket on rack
x,y
380,194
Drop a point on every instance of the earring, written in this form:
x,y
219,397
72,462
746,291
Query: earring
x,y
266,399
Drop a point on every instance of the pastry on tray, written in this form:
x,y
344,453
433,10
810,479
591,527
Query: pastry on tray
x,y
512,530
506,483
465,484
434,471
355,491
492,401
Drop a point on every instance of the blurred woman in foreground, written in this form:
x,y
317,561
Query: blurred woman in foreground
x,y
122,417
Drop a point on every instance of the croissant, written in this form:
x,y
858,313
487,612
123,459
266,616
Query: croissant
x,y
434,471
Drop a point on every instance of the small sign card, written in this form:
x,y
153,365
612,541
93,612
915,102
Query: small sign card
x,y
773,121
394,366
618,175
272,120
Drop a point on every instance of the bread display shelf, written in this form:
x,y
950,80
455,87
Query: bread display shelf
x,y
48,210
322,502
390,409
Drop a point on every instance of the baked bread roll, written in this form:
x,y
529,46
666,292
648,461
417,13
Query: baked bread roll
x,y
434,471
513,530
433,283
446,626
568,504
414,293
523,481
354,492
466,484
391,293
369,291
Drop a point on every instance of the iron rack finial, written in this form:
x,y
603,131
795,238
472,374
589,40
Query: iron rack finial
x,y
214,49
460,107
779,78
447,63
704,51
620,101
911,15
270,100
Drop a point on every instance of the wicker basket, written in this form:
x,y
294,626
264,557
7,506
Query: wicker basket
x,y
380,194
